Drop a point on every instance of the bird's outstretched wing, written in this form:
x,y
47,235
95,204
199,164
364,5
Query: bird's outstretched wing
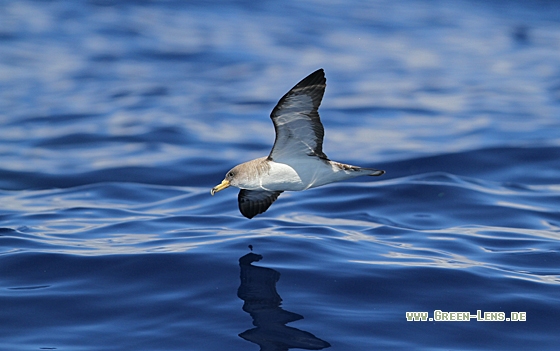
x,y
299,132
254,202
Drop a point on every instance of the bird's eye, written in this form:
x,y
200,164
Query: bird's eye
x,y
230,174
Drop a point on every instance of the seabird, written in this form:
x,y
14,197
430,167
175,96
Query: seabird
x,y
297,161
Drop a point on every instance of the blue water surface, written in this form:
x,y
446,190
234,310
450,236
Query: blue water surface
x,y
118,117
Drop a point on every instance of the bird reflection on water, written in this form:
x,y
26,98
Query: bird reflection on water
x,y
262,302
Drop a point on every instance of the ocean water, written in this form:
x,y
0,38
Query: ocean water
x,y
118,117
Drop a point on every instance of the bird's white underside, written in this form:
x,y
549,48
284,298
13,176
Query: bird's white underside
x,y
299,174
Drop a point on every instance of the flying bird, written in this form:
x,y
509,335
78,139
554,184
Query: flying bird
x,y
297,161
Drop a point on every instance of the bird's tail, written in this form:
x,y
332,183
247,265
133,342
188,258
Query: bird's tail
x,y
361,170
374,172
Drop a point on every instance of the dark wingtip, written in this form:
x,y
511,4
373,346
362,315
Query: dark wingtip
x,y
252,203
249,215
319,71
317,77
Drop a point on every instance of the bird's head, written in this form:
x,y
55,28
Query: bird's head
x,y
229,180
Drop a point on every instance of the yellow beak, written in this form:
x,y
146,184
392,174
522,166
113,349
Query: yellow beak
x,y
224,184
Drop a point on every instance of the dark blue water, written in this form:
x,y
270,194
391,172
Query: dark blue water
x,y
117,118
